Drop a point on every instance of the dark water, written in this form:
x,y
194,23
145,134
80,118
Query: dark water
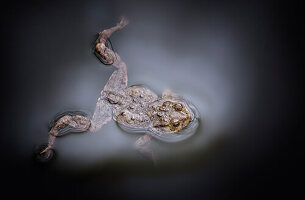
x,y
232,61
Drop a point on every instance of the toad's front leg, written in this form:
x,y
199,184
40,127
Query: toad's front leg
x,y
143,146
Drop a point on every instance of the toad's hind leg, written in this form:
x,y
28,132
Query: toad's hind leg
x,y
75,123
118,79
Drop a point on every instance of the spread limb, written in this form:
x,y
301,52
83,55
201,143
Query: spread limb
x,y
118,79
76,122
79,123
106,53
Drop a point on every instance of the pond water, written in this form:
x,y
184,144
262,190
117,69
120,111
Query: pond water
x,y
206,68
232,61
210,65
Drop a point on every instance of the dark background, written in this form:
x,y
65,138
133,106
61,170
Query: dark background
x,y
261,164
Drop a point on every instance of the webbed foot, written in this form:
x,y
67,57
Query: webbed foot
x,y
44,154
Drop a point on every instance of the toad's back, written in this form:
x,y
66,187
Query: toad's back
x,y
139,109
134,112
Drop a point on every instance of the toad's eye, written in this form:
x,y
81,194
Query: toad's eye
x,y
178,107
175,122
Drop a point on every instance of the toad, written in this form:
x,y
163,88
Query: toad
x,y
134,108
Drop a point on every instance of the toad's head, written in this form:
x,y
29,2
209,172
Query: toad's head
x,y
170,116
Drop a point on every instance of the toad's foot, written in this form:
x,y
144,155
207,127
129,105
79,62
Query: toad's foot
x,y
108,32
124,22
46,156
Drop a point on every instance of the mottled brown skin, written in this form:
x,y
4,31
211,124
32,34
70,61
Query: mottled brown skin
x,y
134,107
170,116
